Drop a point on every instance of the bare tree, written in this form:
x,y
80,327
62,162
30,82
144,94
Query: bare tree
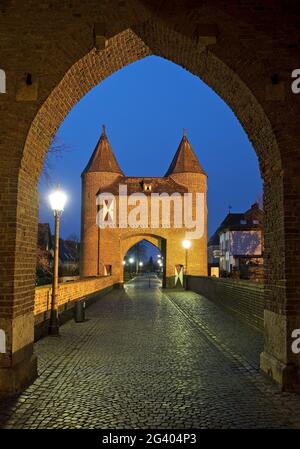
x,y
55,151
43,265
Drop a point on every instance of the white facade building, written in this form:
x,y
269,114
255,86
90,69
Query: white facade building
x,y
241,241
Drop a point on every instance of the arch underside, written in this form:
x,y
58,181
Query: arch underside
x,y
129,241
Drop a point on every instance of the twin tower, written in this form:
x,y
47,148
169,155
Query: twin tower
x,y
178,201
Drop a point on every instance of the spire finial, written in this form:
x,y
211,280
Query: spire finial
x,y
103,129
184,132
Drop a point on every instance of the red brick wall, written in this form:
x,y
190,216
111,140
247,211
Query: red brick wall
x,y
68,292
243,299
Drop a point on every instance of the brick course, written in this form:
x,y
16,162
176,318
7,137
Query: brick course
x,y
68,292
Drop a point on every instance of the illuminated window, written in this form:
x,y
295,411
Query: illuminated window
x,y
147,187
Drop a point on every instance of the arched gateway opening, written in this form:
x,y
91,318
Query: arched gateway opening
x,y
144,263
251,106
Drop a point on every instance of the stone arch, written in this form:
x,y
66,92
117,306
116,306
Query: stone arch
x,y
128,241
235,72
153,37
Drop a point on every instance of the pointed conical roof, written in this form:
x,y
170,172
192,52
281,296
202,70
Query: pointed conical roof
x,y
185,160
103,158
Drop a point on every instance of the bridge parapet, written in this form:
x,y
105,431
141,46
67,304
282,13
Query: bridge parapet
x,y
242,298
68,293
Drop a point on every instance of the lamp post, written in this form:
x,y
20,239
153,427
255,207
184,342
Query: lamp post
x,y
57,202
186,245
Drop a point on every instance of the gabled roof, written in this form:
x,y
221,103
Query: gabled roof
x,y
185,160
254,213
103,158
231,220
68,251
214,239
239,222
251,219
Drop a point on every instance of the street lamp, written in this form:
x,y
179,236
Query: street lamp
x,y
57,202
160,264
186,245
131,261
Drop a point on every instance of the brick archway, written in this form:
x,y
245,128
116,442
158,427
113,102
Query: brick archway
x,y
243,81
131,241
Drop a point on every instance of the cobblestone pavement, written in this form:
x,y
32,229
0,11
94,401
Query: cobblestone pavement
x,y
151,359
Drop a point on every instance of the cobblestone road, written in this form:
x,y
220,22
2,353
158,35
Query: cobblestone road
x,y
148,359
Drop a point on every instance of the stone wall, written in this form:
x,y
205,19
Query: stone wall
x,y
68,293
243,299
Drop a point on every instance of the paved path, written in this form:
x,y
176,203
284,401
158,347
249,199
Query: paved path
x,y
148,359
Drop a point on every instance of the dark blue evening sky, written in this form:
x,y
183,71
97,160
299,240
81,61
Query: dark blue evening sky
x,y
145,107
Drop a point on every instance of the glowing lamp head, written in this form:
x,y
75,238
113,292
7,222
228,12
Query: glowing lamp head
x,y
131,260
57,200
186,244
124,262
141,264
